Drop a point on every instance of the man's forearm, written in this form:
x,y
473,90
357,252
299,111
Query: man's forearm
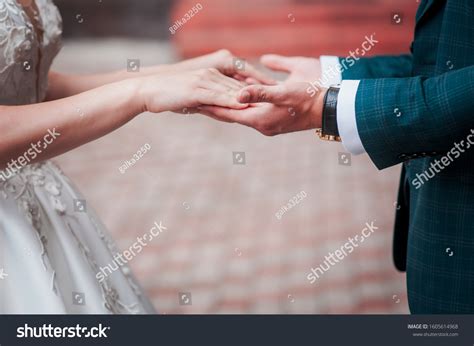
x,y
396,66
403,118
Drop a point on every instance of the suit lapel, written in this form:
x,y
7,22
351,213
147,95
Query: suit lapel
x,y
424,7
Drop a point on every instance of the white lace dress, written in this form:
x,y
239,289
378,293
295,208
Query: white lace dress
x,y
50,250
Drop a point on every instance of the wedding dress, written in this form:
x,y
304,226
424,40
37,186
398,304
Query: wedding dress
x,y
51,244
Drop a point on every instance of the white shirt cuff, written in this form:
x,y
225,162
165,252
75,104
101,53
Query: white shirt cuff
x,y
331,71
346,117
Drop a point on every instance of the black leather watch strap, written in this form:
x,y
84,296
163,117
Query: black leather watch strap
x,y
329,121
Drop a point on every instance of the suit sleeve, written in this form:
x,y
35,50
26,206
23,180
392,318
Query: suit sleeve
x,y
377,67
403,118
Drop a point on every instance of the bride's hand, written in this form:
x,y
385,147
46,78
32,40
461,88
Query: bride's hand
x,y
184,91
226,63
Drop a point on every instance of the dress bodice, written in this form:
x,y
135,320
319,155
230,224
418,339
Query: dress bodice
x,y
30,38
45,240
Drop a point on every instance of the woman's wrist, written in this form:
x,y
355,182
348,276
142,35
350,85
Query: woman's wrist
x,y
157,69
211,60
135,95
186,65
150,92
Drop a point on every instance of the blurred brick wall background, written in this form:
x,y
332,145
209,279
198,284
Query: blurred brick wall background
x,y
224,244
125,18
294,27
249,27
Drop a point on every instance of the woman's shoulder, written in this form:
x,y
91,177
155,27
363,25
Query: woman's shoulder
x,y
51,18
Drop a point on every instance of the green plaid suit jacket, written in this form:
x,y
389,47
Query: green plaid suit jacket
x,y
419,109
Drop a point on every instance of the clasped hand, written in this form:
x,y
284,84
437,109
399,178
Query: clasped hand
x,y
281,107
214,86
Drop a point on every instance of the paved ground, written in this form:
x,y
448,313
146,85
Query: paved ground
x,y
224,244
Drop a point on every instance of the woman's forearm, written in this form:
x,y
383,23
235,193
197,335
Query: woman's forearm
x,y
65,85
62,85
40,131
82,118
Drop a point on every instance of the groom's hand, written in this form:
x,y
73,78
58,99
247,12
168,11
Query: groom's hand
x,y
300,69
275,109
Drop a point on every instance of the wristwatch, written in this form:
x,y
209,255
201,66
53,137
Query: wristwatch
x,y
329,131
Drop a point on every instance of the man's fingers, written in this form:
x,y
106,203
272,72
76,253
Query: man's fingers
x,y
245,70
213,116
262,93
250,71
228,115
277,62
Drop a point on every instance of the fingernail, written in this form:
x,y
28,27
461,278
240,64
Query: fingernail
x,y
244,97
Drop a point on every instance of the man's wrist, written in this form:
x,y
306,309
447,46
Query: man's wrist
x,y
329,117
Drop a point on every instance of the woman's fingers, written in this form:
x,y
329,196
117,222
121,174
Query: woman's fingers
x,y
262,93
219,90
225,81
209,111
218,97
251,81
